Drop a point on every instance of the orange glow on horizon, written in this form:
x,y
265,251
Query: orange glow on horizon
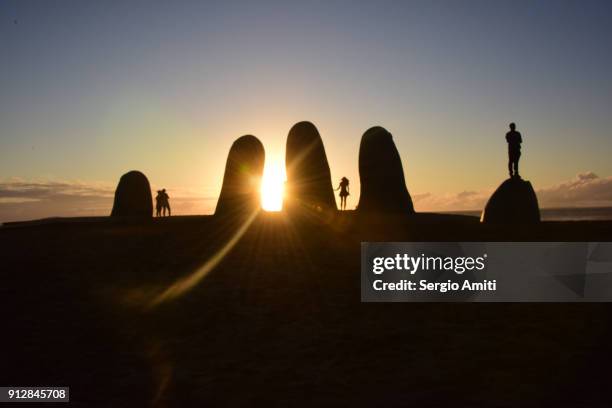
x,y
273,186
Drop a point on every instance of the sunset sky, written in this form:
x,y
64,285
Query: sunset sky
x,y
92,89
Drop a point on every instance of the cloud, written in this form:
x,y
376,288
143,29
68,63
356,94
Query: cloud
x,y
584,190
25,200
38,191
22,200
464,200
17,200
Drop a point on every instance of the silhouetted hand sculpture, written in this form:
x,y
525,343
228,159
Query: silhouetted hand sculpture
x,y
240,193
383,186
133,196
309,185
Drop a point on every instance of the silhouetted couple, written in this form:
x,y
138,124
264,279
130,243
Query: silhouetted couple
x,y
162,203
514,140
344,192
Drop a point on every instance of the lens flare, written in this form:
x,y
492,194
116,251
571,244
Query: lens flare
x,y
187,283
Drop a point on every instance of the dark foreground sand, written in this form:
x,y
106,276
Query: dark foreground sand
x,y
279,322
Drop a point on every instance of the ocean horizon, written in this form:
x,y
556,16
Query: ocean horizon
x,y
560,214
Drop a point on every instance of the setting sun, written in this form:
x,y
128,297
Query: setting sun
x,y
272,187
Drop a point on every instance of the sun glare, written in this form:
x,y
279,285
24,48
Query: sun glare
x,y
273,186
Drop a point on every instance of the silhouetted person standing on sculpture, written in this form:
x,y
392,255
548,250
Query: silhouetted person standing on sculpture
x,y
344,192
514,140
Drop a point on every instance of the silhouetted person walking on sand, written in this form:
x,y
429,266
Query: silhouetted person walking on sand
x,y
162,203
344,192
514,140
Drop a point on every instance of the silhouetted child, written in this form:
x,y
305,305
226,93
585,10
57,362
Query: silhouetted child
x,y
344,192
514,140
